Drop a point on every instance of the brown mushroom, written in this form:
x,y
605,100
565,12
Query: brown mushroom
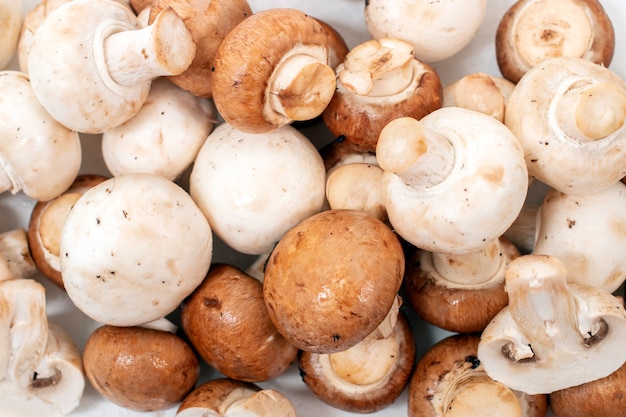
x,y
532,31
139,368
227,323
346,267
46,222
281,77
380,81
337,46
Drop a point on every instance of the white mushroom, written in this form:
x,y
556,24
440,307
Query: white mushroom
x,y
38,155
94,76
164,137
11,16
15,258
553,335
255,187
437,29
132,248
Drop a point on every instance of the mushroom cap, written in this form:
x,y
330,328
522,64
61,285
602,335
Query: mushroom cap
x,y
242,69
227,323
132,248
436,29
43,158
565,158
164,137
442,384
11,16
337,46
347,297
532,31
209,23
138,368
342,388
255,187
46,223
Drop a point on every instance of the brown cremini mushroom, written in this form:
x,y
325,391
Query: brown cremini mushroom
x,y
227,323
139,368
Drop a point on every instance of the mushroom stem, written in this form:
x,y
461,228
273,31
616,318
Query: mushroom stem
x,y
166,47
542,306
470,268
261,404
592,111
421,157
378,68
480,93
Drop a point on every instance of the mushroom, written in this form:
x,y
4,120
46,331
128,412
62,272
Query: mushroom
x,y
117,62
40,156
11,16
209,23
449,380
281,77
436,29
479,92
370,375
552,335
46,223
532,31
337,46
254,187
132,248
164,137
223,397
15,257
227,323
138,368
41,369
346,267
379,81
568,114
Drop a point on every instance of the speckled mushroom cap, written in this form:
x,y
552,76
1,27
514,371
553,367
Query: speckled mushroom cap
x,y
227,323
346,267
532,31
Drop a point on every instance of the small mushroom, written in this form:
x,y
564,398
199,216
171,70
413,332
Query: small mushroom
x,y
94,76
552,335
346,267
379,81
227,323
40,156
449,380
568,114
12,19
436,29
253,187
209,23
132,248
164,137
138,368
369,376
281,77
46,223
532,31
224,397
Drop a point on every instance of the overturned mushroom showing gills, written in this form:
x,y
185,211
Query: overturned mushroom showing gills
x,y
281,77
568,114
225,397
94,76
553,335
532,31
449,380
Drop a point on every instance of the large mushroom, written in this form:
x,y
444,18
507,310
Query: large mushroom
x,y
532,31
132,248
553,334
281,77
94,76
11,16
378,81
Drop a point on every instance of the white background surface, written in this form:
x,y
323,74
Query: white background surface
x,y
347,17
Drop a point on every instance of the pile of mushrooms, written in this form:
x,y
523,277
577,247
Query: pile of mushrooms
x,y
375,196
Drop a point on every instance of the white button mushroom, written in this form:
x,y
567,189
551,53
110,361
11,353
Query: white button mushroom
x,y
39,156
255,187
94,76
12,19
132,248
